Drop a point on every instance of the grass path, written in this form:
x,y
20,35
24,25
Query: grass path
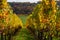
x,y
24,34
23,18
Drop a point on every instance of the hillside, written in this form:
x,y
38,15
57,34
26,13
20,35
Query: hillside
x,y
25,8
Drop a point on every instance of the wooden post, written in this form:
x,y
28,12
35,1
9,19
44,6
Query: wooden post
x,y
2,36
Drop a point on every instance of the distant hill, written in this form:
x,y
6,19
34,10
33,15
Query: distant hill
x,y
24,8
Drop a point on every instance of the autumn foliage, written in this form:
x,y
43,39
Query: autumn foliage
x,y
9,21
45,20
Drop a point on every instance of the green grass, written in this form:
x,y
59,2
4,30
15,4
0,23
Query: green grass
x,y
23,18
23,34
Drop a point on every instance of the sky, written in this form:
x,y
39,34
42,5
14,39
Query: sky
x,y
22,0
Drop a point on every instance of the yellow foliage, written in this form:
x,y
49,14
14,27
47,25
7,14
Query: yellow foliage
x,y
15,21
8,20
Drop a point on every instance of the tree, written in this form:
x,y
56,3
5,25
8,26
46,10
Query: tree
x,y
7,17
43,19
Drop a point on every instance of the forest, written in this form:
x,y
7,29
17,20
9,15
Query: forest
x,y
25,7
